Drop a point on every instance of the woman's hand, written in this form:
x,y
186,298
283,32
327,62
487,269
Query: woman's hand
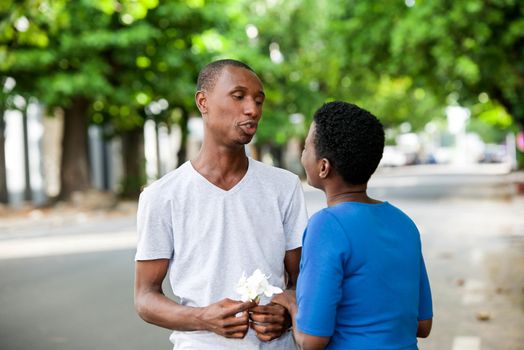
x,y
287,299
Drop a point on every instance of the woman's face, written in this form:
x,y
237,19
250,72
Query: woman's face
x,y
309,158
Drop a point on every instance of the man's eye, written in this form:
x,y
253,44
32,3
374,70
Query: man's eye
x,y
238,97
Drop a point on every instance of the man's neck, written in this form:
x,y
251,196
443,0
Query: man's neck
x,y
222,167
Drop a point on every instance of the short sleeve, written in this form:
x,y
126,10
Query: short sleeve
x,y
155,235
295,218
425,307
319,287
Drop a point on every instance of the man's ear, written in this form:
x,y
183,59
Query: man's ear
x,y
325,168
201,102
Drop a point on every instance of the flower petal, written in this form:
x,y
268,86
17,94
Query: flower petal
x,y
270,290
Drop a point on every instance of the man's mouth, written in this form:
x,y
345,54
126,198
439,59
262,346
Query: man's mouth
x,y
249,127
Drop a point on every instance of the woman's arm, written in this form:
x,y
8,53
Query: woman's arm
x,y
424,328
305,341
292,266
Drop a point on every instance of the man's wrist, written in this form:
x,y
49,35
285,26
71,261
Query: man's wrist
x,y
200,324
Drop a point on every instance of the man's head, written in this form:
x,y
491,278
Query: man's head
x,y
208,76
350,138
230,97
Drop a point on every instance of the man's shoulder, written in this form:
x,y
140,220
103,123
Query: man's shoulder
x,y
273,173
169,181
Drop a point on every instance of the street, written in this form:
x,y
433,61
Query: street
x,y
67,277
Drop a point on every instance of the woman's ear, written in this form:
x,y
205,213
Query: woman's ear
x,y
201,102
325,168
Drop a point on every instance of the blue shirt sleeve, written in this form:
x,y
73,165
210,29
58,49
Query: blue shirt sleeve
x,y
425,307
319,288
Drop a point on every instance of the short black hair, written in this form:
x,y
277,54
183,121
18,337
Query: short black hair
x,y
208,76
351,138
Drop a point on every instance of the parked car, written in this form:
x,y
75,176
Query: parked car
x,y
494,153
392,156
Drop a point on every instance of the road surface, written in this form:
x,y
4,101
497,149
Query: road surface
x,y
67,276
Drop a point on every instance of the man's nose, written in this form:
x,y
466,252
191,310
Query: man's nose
x,y
251,108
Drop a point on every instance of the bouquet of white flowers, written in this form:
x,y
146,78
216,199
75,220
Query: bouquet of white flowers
x,y
253,287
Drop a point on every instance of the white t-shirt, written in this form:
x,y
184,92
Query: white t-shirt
x,y
212,236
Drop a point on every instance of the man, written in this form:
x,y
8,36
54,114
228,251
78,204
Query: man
x,y
216,217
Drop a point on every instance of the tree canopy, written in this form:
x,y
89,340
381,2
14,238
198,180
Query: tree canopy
x,y
118,63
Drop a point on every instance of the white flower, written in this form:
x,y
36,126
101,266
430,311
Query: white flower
x,y
252,287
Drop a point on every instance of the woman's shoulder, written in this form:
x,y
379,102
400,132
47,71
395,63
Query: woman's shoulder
x,y
272,173
325,220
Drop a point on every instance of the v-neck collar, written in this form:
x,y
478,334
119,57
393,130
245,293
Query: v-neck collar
x,y
221,190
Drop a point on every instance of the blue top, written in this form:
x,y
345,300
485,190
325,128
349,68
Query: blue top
x,y
362,278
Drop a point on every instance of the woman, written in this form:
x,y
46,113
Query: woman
x,y
362,281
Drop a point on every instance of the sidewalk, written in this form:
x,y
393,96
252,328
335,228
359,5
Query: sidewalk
x,y
446,169
474,251
29,221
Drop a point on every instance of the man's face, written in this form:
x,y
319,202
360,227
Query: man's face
x,y
309,157
233,107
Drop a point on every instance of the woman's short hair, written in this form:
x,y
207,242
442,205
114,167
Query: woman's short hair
x,y
351,138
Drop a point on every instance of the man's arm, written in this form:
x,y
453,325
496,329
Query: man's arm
x,y
272,320
292,265
154,307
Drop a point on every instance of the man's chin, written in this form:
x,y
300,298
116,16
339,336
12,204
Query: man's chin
x,y
245,139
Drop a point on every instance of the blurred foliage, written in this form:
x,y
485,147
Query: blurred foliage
x,y
464,50
403,61
137,59
119,56
492,121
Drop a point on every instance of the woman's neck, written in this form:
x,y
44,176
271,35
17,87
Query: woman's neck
x,y
349,194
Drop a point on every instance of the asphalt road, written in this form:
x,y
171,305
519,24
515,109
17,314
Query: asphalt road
x,y
80,296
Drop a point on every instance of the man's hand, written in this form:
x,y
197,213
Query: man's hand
x,y
269,321
221,318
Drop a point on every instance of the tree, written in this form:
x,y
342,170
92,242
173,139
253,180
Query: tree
x,y
468,51
156,80
322,51
17,31
3,168
282,58
55,50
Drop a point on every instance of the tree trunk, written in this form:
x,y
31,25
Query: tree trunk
x,y
182,152
159,171
3,169
106,163
28,192
256,151
74,171
134,163
277,152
